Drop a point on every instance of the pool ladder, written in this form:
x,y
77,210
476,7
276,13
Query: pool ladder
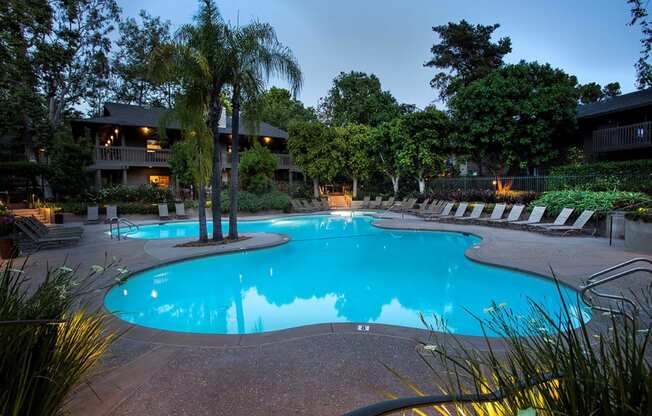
x,y
117,221
622,301
388,210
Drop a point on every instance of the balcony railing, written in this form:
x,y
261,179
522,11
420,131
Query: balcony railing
x,y
632,136
119,156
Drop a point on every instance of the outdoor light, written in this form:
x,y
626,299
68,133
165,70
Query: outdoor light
x,y
267,140
145,130
115,131
493,182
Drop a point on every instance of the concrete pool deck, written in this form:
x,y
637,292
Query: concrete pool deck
x,y
318,369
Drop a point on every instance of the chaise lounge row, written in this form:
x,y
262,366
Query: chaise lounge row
x,y
299,205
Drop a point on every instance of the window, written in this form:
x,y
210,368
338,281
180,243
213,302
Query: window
x,y
159,180
153,145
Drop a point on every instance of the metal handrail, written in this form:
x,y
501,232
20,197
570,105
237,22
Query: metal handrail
x,y
419,402
591,284
117,221
395,204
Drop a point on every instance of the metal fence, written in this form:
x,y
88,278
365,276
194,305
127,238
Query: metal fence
x,y
545,183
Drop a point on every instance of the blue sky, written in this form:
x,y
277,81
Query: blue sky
x,y
392,38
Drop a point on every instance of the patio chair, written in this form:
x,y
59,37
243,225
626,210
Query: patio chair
x,y
307,207
376,203
111,212
448,207
577,226
296,206
316,205
432,209
388,204
535,217
561,219
422,207
45,231
514,215
180,210
365,202
163,213
47,241
496,214
93,215
459,212
477,211
325,205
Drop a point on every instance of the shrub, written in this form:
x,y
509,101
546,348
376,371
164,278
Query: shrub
x,y
48,346
151,194
488,196
633,176
601,202
641,214
630,167
250,202
256,169
79,208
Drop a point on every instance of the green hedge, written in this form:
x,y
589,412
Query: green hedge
x,y
144,194
601,202
641,214
630,167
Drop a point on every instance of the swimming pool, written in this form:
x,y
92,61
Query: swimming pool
x,y
335,269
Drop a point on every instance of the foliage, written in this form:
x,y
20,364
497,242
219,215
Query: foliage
x,y
150,194
314,149
601,370
279,109
355,145
68,161
640,214
592,92
601,202
23,168
464,53
257,166
358,98
514,118
137,42
487,196
251,202
628,167
182,159
390,142
631,175
639,16
57,345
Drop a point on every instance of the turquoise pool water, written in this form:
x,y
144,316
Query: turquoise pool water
x,y
335,269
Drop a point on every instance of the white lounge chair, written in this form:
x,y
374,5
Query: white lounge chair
x,y
514,215
535,216
496,214
578,225
180,210
376,203
163,213
92,215
475,213
365,202
561,219
448,207
111,212
459,212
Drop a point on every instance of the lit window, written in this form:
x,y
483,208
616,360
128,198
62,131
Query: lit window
x,y
153,145
159,180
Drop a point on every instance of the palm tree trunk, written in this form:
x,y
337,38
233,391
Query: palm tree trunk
x,y
203,231
214,113
235,142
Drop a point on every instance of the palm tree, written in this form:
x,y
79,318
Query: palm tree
x,y
254,54
177,62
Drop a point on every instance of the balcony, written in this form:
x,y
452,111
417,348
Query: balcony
x,y
118,157
632,136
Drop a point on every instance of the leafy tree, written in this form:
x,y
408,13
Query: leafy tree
x,y
357,98
279,109
390,142
593,92
68,161
356,147
314,148
257,166
612,89
514,118
428,144
253,54
182,160
639,16
464,53
135,45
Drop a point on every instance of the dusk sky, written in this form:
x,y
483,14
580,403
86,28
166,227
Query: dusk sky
x,y
392,38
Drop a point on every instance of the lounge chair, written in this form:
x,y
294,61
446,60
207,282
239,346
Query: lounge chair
x,y
307,206
163,213
316,204
296,206
93,215
578,225
45,231
180,210
365,202
448,207
535,216
434,208
325,205
111,212
376,203
47,241
561,219
422,207
514,215
496,214
388,204
477,211
459,212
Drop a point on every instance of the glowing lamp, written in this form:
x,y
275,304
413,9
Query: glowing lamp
x,y
267,140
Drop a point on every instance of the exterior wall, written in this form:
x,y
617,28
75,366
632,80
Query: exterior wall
x,y
140,176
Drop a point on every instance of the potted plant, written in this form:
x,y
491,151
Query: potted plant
x,y
6,233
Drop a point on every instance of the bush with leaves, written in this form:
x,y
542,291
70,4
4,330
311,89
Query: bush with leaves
x,y
476,195
149,194
601,202
68,161
256,169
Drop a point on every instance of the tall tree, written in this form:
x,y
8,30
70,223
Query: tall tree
x,y
314,148
464,53
279,109
391,145
358,98
643,66
612,89
356,147
593,92
253,54
137,41
428,144
516,117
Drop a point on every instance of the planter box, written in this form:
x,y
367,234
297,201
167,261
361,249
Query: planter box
x,y
638,236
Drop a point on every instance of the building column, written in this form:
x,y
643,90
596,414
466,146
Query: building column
x,y
98,179
124,176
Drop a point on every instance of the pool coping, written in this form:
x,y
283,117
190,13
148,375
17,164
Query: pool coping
x,y
136,332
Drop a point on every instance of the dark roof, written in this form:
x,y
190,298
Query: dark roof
x,y
616,104
135,115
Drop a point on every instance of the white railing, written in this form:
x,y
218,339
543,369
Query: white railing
x,y
624,137
131,155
